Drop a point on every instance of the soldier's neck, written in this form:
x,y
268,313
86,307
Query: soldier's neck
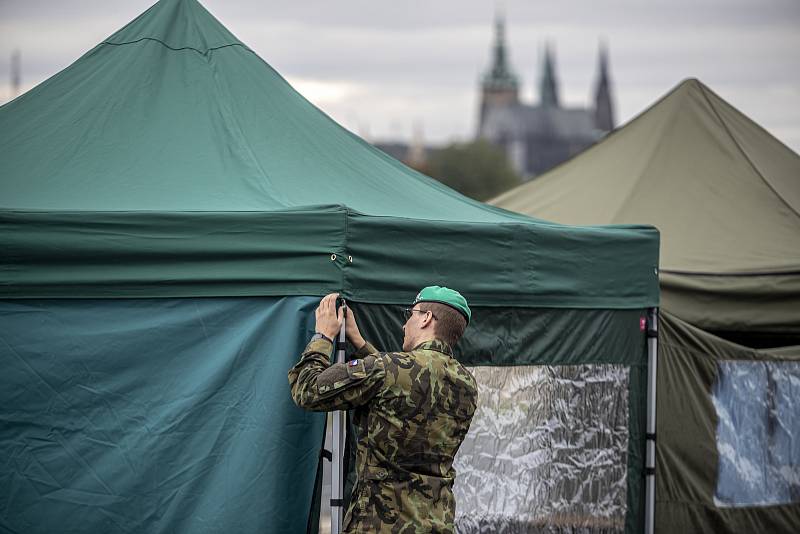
x,y
424,339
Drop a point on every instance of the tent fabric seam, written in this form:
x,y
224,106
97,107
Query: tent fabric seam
x,y
299,209
363,300
211,49
744,152
519,221
730,275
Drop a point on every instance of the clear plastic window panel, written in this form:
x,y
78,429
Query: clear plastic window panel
x,y
758,433
547,451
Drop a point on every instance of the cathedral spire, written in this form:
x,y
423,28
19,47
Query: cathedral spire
x,y
603,108
499,75
548,88
499,85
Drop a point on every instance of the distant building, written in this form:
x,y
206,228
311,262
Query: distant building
x,y
537,137
397,149
414,154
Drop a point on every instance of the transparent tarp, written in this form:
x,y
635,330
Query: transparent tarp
x,y
758,434
546,451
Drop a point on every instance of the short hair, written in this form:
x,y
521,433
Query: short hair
x,y
449,325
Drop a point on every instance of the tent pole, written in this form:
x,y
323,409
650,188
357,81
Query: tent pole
x,y
338,436
650,454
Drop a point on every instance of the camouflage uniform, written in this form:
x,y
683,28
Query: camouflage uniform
x,y
411,412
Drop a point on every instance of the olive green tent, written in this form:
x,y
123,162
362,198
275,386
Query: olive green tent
x,y
725,195
171,210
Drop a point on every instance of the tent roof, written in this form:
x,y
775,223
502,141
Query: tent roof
x,y
724,193
171,160
174,113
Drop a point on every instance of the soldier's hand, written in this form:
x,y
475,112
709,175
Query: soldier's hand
x,y
351,330
329,319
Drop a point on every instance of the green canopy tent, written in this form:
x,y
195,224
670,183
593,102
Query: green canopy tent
x,y
725,195
170,212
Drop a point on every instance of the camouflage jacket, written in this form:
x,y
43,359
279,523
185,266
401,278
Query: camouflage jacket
x,y
411,411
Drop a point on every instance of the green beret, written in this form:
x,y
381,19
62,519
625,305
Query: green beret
x,y
444,295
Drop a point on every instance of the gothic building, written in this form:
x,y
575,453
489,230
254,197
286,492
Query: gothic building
x,y
537,137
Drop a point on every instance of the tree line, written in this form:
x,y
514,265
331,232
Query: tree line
x,y
477,169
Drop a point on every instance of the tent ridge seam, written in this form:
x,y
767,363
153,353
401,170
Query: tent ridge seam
x,y
744,152
728,275
201,52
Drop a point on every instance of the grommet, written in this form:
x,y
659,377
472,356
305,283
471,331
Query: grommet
x,y
333,257
350,259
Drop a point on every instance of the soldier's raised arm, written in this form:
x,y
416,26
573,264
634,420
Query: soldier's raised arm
x,y
320,386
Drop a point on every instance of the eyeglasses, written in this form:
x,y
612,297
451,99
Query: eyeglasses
x,y
408,311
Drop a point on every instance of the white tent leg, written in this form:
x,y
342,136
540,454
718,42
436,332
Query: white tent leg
x,y
337,464
650,454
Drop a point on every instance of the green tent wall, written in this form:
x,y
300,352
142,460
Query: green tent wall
x,y
170,210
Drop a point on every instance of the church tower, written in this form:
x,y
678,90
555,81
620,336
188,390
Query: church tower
x,y
603,108
499,86
548,85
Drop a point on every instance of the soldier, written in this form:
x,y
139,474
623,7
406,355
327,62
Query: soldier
x,y
412,410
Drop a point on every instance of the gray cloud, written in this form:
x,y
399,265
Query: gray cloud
x,y
414,60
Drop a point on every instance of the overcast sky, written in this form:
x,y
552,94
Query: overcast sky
x,y
380,66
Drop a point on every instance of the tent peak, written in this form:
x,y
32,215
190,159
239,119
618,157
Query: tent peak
x,y
689,83
178,25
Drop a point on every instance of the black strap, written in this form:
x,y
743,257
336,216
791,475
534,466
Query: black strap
x,y
325,453
652,326
348,459
337,502
649,471
340,345
323,336
650,436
